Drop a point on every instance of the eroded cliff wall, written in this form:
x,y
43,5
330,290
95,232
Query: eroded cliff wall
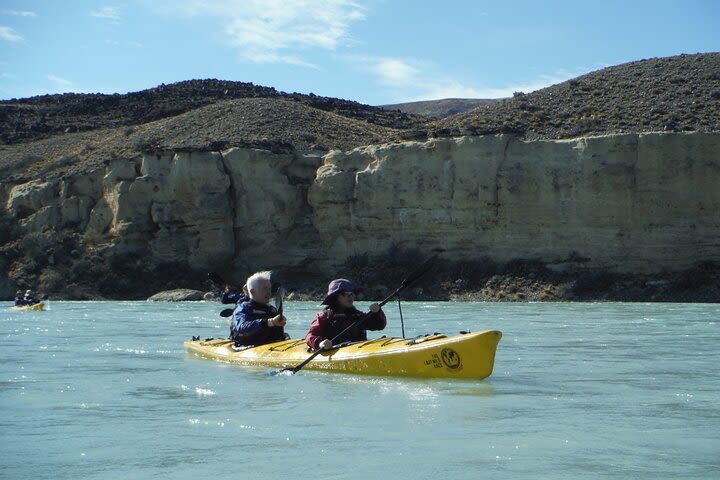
x,y
623,202
640,203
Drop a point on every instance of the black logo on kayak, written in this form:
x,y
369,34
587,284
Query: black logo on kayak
x,y
450,358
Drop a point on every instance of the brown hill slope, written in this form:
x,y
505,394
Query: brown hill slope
x,y
57,133
440,108
43,116
680,93
275,124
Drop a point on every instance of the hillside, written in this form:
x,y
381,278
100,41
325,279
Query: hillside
x,y
680,93
279,125
439,108
87,212
44,116
73,131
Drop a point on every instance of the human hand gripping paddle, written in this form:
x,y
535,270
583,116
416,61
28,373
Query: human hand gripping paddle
x,y
405,283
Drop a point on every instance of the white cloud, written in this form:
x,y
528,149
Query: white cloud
x,y
395,72
59,84
7,33
413,80
116,43
278,31
453,89
107,13
17,13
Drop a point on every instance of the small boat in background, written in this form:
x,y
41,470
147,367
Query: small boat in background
x,y
36,307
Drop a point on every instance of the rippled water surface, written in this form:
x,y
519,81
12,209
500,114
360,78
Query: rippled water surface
x,y
105,390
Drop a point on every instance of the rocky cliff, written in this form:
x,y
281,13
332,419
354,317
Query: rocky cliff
x,y
622,203
604,186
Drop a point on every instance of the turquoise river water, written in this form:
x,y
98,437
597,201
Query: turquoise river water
x,y
105,390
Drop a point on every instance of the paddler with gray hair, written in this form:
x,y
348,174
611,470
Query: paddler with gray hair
x,y
255,321
340,314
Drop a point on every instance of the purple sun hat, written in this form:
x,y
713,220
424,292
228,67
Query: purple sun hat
x,y
336,286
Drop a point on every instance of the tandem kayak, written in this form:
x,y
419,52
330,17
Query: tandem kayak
x,y
38,307
468,355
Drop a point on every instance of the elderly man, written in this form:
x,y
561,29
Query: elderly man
x,y
255,321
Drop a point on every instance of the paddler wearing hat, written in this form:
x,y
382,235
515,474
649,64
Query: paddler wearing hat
x,y
340,314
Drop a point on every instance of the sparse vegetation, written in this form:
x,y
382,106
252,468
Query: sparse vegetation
x,y
618,99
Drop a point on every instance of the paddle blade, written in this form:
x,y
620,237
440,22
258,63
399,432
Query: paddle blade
x,y
227,312
279,295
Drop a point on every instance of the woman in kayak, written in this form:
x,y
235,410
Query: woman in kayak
x,y
339,315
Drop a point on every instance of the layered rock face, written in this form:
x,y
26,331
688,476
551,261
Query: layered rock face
x,y
640,203
202,209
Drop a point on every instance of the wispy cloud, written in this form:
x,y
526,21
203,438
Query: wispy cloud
x,y
17,13
60,84
279,31
413,80
394,72
116,43
10,35
107,13
454,89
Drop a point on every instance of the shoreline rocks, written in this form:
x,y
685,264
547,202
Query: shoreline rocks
x,y
178,295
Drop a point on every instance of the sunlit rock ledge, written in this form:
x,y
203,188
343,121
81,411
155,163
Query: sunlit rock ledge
x,y
624,203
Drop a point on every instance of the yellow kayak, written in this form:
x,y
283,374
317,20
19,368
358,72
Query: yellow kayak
x,y
468,355
38,307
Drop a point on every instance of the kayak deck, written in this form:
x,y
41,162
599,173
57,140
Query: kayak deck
x,y
468,355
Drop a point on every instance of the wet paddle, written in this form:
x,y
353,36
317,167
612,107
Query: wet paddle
x,y
405,283
279,295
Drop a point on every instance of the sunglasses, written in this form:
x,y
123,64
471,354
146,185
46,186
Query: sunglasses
x,y
348,294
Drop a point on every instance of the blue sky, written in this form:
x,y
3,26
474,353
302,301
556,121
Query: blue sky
x,y
372,51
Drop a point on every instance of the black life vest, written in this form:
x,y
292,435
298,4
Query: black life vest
x,y
340,321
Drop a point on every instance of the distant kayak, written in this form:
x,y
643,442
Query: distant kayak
x,y
469,355
38,307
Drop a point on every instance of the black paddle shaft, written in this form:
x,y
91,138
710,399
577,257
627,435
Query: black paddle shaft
x,y
406,283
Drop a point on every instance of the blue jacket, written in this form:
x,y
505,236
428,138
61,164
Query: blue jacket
x,y
250,326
